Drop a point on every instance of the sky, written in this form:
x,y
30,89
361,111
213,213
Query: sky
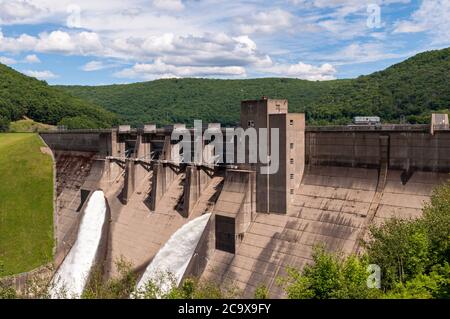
x,y
100,42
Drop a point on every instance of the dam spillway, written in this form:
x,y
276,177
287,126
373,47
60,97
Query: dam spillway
x,y
174,257
333,183
73,274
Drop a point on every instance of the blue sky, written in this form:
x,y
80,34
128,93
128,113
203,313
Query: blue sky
x,y
111,41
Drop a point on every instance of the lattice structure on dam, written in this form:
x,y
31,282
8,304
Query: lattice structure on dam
x,y
332,183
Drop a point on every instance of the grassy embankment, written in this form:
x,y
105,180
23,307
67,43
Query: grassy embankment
x,y
27,125
26,203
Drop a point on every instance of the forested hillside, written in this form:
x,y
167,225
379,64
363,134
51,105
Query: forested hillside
x,y
408,91
21,96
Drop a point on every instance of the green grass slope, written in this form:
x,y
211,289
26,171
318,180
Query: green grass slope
x,y
26,203
409,90
28,125
21,96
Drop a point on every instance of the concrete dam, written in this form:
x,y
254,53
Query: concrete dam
x,y
332,183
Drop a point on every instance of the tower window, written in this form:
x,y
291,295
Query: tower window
x,y
292,176
292,191
292,146
251,123
292,161
291,122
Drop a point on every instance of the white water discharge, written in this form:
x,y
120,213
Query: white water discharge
x,y
71,277
175,255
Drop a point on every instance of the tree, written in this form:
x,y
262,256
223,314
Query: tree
x,y
78,122
413,256
330,276
400,248
436,221
4,124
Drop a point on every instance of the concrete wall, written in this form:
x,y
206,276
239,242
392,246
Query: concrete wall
x,y
163,176
99,142
416,150
282,184
295,146
196,180
420,151
235,209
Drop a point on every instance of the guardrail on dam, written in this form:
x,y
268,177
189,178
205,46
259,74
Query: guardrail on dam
x,y
332,183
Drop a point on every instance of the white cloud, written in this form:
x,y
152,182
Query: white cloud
x,y
32,58
84,43
342,19
203,50
362,53
56,41
18,11
266,22
304,71
349,5
6,60
24,42
409,27
41,75
95,66
175,5
433,16
343,29
199,38
159,69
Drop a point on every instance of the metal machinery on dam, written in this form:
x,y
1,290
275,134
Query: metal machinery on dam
x,y
331,184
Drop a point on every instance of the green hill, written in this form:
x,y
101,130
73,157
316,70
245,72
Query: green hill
x,y
26,203
409,90
22,96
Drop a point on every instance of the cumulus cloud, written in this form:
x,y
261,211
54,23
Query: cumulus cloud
x,y
32,58
304,71
201,50
159,41
23,42
6,60
159,69
82,43
41,75
266,22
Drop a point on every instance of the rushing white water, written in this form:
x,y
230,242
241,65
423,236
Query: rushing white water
x,y
175,255
71,277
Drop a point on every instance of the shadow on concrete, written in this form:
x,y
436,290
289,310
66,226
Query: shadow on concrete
x,y
120,197
179,206
279,253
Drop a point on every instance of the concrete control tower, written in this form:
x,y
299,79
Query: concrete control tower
x,y
274,191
